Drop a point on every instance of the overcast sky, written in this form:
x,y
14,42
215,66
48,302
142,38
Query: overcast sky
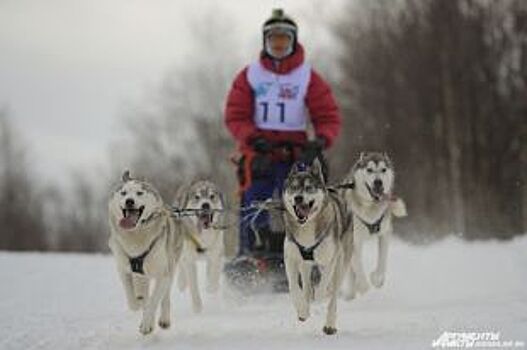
x,y
67,67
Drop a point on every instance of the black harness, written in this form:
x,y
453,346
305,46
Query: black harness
x,y
136,263
373,227
308,253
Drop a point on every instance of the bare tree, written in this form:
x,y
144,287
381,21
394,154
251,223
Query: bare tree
x,y
21,207
178,133
441,86
79,222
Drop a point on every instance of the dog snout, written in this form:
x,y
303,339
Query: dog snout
x,y
377,183
205,206
129,202
299,199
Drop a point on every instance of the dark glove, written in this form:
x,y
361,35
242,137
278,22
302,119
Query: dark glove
x,y
261,145
312,150
261,166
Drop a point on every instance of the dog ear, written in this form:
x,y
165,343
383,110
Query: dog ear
x,y
222,199
126,176
296,168
186,198
387,158
149,188
316,169
184,195
362,159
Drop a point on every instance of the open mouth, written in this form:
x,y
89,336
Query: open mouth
x,y
131,217
377,192
302,211
205,219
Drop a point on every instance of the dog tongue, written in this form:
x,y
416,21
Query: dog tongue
x,y
128,222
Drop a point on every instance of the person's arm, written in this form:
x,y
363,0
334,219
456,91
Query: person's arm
x,y
323,109
239,110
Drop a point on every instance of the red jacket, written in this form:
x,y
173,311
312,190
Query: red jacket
x,y
319,100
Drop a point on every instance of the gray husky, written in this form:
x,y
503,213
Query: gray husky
x,y
372,205
318,246
205,231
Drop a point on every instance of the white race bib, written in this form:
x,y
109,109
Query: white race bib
x,y
279,98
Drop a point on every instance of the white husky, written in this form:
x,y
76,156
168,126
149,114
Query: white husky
x,y
372,205
146,243
205,237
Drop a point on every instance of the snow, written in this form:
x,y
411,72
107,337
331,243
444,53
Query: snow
x,y
73,301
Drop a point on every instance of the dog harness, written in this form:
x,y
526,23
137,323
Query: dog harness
x,y
136,263
308,253
374,227
279,99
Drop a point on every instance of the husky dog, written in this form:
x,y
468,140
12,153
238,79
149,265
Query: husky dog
x,y
370,200
147,244
318,246
205,234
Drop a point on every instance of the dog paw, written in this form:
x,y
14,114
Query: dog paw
x,y
329,330
165,324
349,295
303,315
377,279
146,328
362,286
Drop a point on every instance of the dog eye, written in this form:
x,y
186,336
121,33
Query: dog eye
x,y
140,193
123,193
310,188
383,170
196,197
369,170
212,197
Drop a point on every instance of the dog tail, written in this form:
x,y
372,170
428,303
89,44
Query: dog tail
x,y
399,208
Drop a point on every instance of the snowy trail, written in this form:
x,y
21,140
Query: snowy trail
x,y
70,301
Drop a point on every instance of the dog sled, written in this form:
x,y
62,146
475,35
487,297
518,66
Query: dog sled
x,y
263,269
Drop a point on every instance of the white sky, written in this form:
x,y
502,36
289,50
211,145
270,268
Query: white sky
x,y
67,67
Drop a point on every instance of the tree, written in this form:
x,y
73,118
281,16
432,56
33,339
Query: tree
x,y
21,207
178,133
441,86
